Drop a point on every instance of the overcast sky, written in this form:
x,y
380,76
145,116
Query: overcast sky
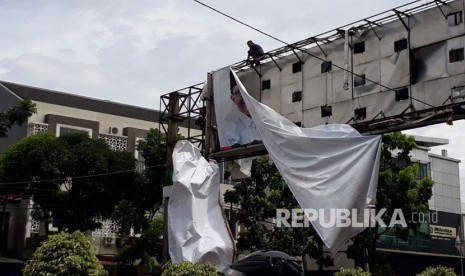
x,y
134,51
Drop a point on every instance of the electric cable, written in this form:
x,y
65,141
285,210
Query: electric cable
x,y
72,177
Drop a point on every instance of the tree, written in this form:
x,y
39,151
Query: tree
x,y
352,272
438,271
154,151
139,208
65,254
258,198
74,180
147,246
399,187
16,115
188,269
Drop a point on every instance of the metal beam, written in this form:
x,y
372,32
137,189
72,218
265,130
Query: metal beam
x,y
318,45
239,152
293,50
399,15
370,24
275,63
256,71
439,7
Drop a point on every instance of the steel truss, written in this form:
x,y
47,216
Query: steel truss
x,y
183,108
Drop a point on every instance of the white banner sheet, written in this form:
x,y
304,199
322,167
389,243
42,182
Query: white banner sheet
x,y
327,167
197,230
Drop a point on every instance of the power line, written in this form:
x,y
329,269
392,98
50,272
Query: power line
x,y
72,177
304,50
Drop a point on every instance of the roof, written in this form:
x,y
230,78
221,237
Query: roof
x,y
71,100
430,141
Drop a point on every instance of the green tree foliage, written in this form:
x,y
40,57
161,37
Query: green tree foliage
x,y
438,271
352,272
74,180
399,187
145,247
138,210
16,115
65,254
153,150
259,197
189,269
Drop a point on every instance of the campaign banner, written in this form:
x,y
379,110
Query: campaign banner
x,y
235,125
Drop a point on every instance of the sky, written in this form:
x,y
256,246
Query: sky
x,y
134,51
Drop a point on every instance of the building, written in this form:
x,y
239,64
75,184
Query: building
x,y
439,239
120,125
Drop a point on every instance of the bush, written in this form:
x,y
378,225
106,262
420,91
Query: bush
x,y
189,269
438,271
65,254
352,272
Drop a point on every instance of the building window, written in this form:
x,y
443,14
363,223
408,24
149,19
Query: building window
x,y
402,94
458,93
455,55
454,18
299,124
326,111
326,66
66,129
140,160
360,114
297,67
359,47
297,96
400,45
359,80
423,170
266,84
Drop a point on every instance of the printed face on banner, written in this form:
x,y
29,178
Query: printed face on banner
x,y
235,126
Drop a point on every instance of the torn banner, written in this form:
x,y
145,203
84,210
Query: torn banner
x,y
326,167
197,230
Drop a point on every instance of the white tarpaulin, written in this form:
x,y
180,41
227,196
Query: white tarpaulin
x,y
197,230
240,168
326,167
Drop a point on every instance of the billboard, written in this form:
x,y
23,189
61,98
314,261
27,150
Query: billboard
x,y
392,73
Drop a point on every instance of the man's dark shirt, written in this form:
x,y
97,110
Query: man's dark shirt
x,y
256,51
